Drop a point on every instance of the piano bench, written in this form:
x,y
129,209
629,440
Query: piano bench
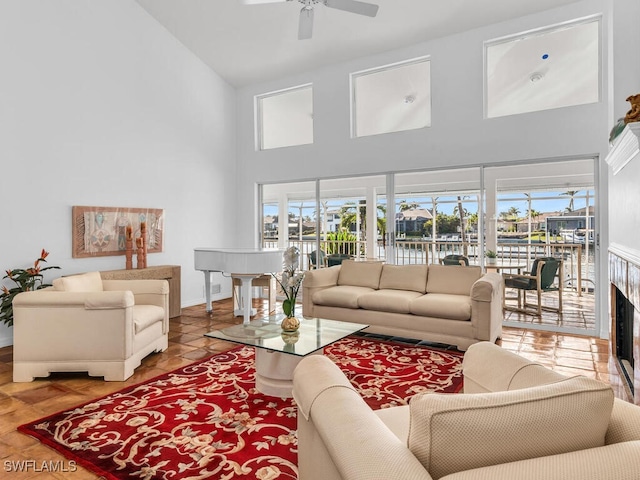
x,y
264,281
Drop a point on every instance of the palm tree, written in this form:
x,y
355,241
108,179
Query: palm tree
x,y
571,194
349,214
513,213
404,205
462,212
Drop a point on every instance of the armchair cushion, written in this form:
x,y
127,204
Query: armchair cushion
x,y
501,427
84,282
146,315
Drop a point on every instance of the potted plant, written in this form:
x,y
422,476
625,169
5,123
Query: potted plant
x,y
491,256
290,283
25,280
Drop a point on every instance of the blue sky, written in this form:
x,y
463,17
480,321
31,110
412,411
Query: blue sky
x,y
539,203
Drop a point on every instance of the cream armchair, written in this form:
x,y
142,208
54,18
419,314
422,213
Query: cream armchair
x,y
515,420
84,323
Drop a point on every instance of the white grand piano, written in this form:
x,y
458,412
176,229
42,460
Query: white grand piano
x,y
244,263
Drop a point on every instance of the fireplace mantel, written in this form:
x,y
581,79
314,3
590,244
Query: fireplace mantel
x,y
624,194
625,147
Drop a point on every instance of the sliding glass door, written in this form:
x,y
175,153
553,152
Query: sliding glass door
x,y
515,213
540,210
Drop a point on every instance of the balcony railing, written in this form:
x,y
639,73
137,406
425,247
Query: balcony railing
x,y
578,261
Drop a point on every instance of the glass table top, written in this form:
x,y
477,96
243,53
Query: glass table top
x,y
313,334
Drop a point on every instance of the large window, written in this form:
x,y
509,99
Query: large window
x,y
285,118
545,69
520,212
391,98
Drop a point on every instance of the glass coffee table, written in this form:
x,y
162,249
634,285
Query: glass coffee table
x,y
278,353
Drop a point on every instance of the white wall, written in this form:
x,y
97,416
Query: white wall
x,y
100,105
458,136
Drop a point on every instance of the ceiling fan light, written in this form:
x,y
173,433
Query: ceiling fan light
x,y
536,77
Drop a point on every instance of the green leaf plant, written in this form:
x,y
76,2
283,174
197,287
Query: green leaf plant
x,y
25,280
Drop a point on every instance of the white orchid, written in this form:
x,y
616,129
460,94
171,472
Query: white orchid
x,y
290,281
291,257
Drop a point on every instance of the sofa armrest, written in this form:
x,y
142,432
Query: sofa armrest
x,y
85,300
315,280
489,368
624,424
486,306
611,462
487,287
322,277
339,436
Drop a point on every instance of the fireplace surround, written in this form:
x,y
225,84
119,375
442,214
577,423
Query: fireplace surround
x,y
624,258
625,322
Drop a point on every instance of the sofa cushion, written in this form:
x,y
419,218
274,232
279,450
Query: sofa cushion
x,y
341,296
396,301
404,277
452,279
360,274
84,282
611,462
500,427
440,305
146,315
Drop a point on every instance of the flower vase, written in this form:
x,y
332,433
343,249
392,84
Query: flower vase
x,y
290,324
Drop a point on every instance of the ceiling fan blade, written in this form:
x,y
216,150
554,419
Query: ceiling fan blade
x,y
353,6
305,27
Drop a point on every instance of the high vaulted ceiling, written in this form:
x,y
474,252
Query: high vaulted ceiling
x,y
248,44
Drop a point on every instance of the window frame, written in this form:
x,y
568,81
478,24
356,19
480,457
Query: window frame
x,y
259,115
383,68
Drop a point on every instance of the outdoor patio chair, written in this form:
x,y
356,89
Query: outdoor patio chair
x,y
337,258
316,259
542,279
455,260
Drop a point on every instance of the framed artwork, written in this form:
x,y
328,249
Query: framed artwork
x,y
101,231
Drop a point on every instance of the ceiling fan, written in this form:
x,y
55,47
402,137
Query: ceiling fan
x,y
305,26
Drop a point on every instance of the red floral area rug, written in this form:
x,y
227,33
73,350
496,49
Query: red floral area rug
x,y
207,421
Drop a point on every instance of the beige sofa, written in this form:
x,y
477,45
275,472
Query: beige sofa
x,y
86,324
455,305
515,420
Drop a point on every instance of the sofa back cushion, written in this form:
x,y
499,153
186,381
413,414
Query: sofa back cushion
x,y
452,279
404,277
360,274
453,433
84,282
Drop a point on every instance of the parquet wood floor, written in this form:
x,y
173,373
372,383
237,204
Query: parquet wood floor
x,y
24,402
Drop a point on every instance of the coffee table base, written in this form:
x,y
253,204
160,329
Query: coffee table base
x,y
274,372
